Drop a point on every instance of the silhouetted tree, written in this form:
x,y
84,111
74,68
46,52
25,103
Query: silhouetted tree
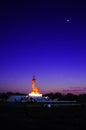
x,y
82,98
50,95
57,95
70,96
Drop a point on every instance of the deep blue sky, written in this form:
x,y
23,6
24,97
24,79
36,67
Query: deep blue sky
x,y
36,39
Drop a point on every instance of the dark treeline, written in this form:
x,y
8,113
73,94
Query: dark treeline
x,y
57,96
68,96
8,94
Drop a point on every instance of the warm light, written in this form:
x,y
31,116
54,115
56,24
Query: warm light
x,y
32,94
35,90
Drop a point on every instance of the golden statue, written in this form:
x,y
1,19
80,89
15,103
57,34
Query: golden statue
x,y
35,91
34,88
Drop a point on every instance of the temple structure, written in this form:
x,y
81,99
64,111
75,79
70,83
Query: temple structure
x,y
35,90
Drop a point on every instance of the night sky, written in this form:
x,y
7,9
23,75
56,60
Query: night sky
x,y
46,39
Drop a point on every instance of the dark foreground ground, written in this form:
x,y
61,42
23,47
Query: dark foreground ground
x,y
25,116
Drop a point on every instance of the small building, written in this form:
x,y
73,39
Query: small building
x,y
16,98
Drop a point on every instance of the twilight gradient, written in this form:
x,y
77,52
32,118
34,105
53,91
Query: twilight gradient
x,y
36,38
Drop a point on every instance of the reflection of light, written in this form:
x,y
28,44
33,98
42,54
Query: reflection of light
x,y
68,20
32,94
49,105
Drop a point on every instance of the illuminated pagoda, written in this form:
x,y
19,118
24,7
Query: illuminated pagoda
x,y
35,90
